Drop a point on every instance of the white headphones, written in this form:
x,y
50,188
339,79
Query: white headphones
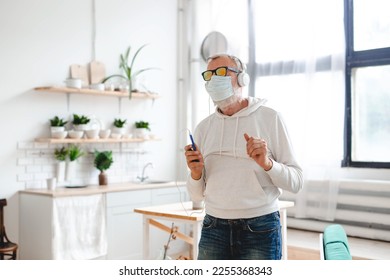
x,y
243,78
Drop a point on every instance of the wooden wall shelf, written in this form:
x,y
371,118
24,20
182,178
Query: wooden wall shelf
x,y
86,141
86,91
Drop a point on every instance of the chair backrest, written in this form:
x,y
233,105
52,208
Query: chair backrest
x,y
335,243
3,202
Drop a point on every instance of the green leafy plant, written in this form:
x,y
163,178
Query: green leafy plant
x,y
74,153
142,124
127,68
56,121
119,123
77,120
61,154
103,160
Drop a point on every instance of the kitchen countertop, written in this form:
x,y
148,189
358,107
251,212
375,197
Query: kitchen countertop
x,y
96,189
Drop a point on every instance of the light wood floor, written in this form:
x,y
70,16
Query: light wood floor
x,y
304,245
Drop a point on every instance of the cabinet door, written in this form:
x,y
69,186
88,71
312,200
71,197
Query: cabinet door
x,y
169,195
160,238
35,230
124,226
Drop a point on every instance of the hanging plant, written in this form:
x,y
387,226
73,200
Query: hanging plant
x,y
61,154
75,153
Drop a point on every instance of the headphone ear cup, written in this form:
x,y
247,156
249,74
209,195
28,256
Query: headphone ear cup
x,y
243,79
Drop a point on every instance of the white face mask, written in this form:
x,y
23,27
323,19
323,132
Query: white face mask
x,y
219,87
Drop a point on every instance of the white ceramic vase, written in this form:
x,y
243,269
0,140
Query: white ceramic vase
x,y
60,171
70,170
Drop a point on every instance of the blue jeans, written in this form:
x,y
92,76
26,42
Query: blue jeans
x,y
258,238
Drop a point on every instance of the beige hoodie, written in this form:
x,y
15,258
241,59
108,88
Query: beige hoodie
x,y
233,185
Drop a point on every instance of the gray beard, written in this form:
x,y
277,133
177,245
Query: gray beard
x,y
223,104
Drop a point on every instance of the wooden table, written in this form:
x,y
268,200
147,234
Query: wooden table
x,y
183,212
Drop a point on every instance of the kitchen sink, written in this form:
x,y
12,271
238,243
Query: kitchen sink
x,y
147,182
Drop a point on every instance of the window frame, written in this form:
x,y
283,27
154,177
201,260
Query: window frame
x,y
357,59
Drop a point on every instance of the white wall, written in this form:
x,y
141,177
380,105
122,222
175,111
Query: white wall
x,y
40,39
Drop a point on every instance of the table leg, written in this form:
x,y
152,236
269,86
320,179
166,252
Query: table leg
x,y
146,245
283,221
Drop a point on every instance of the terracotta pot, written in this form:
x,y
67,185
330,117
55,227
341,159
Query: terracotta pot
x,y
103,179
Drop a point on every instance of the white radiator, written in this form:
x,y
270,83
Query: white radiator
x,y
362,207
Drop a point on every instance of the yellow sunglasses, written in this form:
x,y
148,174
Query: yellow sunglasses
x,y
220,71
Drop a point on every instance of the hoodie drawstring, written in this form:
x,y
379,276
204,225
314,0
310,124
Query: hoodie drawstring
x,y
221,138
235,139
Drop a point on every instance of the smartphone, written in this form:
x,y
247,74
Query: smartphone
x,y
193,145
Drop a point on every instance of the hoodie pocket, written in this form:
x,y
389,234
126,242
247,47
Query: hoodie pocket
x,y
238,189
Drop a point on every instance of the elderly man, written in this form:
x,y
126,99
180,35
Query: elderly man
x,y
242,161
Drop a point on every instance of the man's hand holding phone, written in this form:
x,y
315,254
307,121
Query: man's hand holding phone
x,y
194,159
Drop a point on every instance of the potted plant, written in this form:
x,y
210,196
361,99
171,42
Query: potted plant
x,y
80,123
127,67
102,162
74,153
57,127
57,124
141,129
119,126
61,155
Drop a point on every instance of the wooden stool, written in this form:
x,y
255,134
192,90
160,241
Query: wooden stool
x,y
7,248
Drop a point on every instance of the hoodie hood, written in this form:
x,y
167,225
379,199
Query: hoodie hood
x,y
253,105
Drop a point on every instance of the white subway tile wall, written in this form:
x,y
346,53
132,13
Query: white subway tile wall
x,y
36,163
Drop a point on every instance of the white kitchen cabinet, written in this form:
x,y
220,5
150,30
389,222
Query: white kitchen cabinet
x,y
36,231
124,226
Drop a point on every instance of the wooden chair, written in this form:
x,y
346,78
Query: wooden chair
x,y
7,248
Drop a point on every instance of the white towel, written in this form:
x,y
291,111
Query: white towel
x,y
79,227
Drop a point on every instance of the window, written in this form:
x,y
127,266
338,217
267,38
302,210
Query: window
x,y
367,114
323,64
296,62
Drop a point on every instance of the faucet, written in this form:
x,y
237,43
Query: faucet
x,y
143,178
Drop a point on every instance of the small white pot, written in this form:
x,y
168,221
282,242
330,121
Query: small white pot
x,y
74,83
142,133
92,133
57,129
104,133
97,86
81,127
119,130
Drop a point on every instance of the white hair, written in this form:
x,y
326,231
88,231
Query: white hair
x,y
235,59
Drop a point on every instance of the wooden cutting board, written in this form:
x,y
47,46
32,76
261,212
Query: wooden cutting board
x,y
97,72
79,72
